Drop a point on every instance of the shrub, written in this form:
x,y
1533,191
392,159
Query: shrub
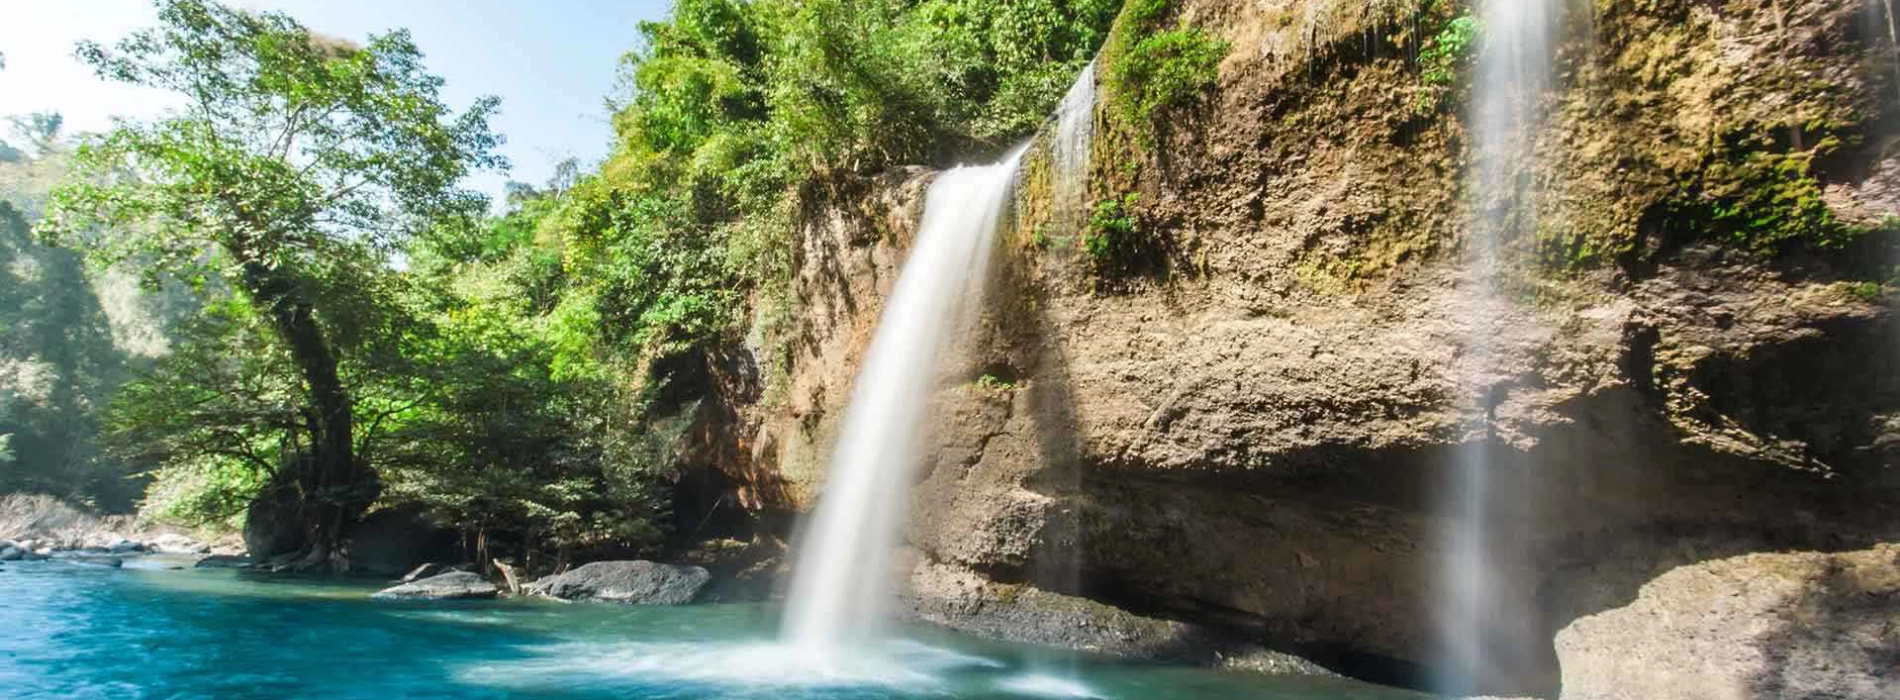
x,y
1166,70
1448,50
1113,235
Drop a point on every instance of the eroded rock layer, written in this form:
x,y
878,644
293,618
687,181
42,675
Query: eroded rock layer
x,y
1247,435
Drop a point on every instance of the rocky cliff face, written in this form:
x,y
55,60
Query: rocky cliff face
x,y
1249,435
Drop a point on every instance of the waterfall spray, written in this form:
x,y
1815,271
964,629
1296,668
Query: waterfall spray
x,y
838,591
1075,134
1512,72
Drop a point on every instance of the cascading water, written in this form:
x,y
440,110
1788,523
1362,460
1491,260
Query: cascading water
x,y
1075,132
1512,71
838,587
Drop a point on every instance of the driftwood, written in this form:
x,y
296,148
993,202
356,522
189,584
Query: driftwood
x,y
508,576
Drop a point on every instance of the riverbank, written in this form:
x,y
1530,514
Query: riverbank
x,y
41,527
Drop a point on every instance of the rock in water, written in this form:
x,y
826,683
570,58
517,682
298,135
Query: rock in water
x,y
11,554
450,586
639,582
1795,625
223,561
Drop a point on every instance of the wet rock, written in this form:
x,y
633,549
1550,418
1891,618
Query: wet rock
x,y
124,546
637,582
954,597
1268,662
454,585
960,599
741,571
1792,625
224,561
11,554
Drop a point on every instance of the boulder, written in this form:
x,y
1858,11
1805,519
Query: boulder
x,y
393,541
124,546
224,561
11,554
962,600
638,582
454,585
273,524
1785,625
174,543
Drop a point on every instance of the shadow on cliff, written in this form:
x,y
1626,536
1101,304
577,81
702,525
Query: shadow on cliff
x,y
1330,553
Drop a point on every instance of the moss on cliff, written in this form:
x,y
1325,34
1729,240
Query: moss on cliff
x,y
1680,121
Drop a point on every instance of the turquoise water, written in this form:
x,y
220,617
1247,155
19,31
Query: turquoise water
x,y
145,631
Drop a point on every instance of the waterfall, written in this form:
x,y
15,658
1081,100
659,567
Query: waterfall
x,y
1512,72
1075,132
838,587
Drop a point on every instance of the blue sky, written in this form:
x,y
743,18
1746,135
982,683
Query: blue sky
x,y
552,62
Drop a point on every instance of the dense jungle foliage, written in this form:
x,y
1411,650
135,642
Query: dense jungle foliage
x,y
279,295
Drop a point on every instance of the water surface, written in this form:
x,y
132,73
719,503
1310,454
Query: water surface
x,y
74,631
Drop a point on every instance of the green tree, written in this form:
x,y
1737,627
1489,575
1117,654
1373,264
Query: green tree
x,y
296,167
58,367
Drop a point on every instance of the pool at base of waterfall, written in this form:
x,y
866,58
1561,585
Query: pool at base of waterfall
x,y
148,631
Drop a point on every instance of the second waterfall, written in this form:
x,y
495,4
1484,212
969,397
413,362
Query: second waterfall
x,y
838,587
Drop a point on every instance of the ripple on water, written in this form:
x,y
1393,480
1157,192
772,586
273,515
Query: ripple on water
x,y
1047,686
745,669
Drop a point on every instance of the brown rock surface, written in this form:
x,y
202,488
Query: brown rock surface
x,y
1789,625
1250,437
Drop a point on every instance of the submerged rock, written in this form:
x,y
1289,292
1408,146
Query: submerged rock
x,y
637,582
224,561
1791,625
11,554
450,586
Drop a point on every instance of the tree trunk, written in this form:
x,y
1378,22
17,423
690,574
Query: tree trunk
x,y
329,488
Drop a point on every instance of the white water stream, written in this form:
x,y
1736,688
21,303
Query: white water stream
x,y
1075,135
839,585
1513,69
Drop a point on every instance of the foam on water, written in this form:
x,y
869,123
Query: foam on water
x,y
766,668
1047,686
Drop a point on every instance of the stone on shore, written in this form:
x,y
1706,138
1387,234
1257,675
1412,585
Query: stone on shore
x,y
455,585
174,543
224,561
634,582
